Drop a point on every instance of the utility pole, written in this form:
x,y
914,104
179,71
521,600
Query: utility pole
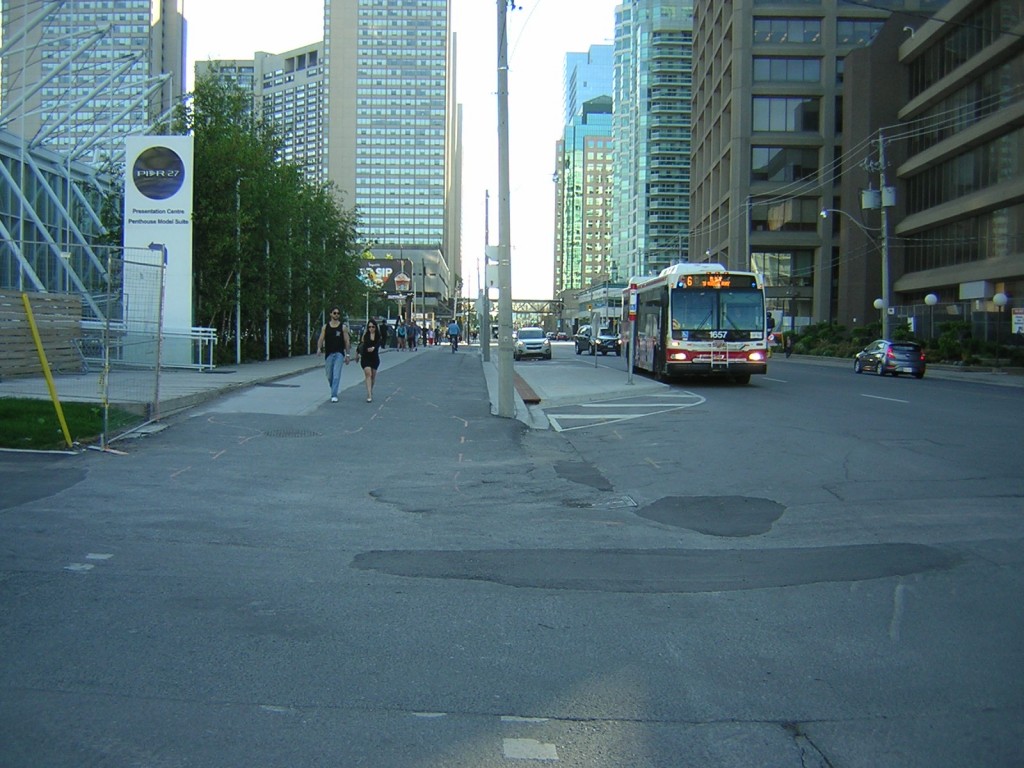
x,y
483,297
506,397
888,200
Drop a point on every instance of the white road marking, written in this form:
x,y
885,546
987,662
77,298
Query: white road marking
x,y
769,378
515,719
605,418
615,405
96,556
79,567
278,710
890,399
596,419
529,749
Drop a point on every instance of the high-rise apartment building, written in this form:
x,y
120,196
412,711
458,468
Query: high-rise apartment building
x,y
288,91
768,149
167,54
651,128
392,129
80,76
241,72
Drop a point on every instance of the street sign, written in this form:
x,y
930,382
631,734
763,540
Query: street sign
x,y
632,302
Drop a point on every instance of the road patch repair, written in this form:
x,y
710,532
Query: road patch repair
x,y
659,571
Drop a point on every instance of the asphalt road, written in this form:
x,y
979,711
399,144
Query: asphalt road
x,y
818,569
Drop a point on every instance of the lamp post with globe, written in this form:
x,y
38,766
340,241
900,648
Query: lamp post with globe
x,y
999,300
931,300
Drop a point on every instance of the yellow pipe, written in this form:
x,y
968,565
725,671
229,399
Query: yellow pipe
x,y
46,369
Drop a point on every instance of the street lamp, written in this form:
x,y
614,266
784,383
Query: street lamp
x,y
879,304
931,300
999,300
884,249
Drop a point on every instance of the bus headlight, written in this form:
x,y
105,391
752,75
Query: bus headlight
x,y
756,356
677,356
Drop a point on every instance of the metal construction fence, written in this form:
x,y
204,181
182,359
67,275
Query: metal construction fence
x,y
104,347
981,320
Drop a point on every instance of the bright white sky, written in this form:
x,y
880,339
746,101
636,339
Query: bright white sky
x,y
540,34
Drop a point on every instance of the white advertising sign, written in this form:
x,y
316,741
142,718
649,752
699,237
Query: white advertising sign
x,y
158,188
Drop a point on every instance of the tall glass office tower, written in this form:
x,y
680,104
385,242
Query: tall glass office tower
x,y
583,172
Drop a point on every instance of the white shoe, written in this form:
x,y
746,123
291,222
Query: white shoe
x,y
334,399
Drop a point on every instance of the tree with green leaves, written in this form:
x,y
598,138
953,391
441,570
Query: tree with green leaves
x,y
265,239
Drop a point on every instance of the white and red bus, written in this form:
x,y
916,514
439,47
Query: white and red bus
x,y
699,319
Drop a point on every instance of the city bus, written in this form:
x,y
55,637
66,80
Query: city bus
x,y
699,319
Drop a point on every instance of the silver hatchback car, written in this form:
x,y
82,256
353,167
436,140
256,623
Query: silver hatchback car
x,y
895,357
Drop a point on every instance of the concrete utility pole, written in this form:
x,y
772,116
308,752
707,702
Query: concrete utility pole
x,y
888,200
483,297
506,396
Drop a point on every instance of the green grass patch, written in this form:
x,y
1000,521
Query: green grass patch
x,y
33,424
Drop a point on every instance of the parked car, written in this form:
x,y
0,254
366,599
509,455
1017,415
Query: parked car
x,y
532,342
561,336
895,357
604,342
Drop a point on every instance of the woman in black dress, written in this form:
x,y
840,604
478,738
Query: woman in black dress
x,y
369,356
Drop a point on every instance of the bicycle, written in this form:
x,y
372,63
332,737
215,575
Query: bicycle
x,y
453,339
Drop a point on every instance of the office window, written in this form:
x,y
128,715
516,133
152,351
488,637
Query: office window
x,y
786,113
786,70
772,30
783,163
857,32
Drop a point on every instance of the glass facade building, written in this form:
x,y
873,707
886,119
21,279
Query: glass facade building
x,y
583,195
653,74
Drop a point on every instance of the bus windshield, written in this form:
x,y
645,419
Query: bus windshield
x,y
716,310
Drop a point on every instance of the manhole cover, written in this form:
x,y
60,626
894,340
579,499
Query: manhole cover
x,y
291,433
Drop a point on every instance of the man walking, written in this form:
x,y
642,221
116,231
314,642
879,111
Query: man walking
x,y
334,344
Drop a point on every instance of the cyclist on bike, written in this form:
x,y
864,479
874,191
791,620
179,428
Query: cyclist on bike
x,y
454,331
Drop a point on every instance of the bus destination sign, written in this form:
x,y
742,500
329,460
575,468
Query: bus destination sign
x,y
708,280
